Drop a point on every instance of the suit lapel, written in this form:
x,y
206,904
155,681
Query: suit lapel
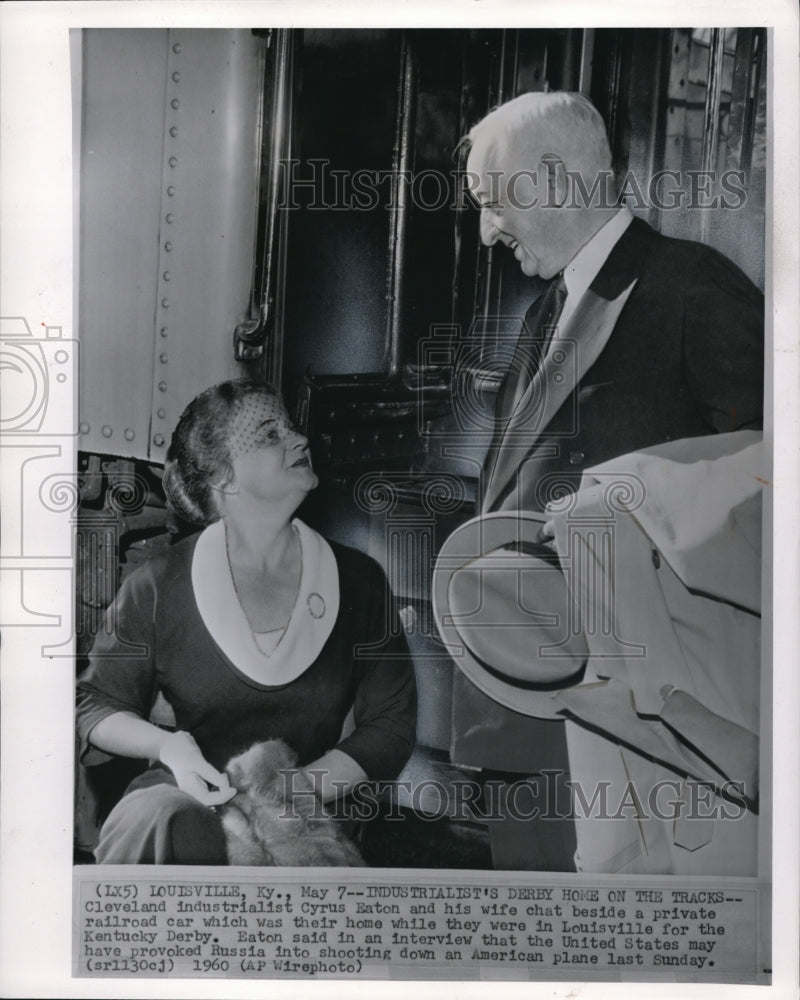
x,y
569,359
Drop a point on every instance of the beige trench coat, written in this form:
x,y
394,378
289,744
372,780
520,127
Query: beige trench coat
x,y
662,552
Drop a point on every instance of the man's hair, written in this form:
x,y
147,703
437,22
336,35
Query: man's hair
x,y
558,123
199,457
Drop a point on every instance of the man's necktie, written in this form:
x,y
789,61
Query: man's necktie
x,y
541,322
538,327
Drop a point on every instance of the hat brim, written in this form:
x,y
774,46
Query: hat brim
x,y
502,613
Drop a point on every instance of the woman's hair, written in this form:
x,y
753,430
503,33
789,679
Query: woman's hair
x,y
199,459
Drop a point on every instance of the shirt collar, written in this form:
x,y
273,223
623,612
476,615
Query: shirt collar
x,y
585,265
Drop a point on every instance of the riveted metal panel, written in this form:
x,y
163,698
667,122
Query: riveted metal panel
x,y
167,225
205,268
124,79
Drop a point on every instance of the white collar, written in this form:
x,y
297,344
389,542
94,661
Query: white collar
x,y
585,265
311,621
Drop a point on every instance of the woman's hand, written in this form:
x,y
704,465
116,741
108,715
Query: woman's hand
x,y
338,772
128,735
181,754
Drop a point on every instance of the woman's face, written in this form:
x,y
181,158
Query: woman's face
x,y
269,456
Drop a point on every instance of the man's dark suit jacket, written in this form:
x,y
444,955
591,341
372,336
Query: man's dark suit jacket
x,y
685,359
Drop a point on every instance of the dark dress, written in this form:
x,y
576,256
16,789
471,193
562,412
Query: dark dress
x,y
159,643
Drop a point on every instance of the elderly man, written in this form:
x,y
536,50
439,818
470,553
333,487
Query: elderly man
x,y
639,340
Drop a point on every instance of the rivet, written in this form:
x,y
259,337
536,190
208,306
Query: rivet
x,y
170,218
162,386
165,303
159,440
168,246
176,77
61,377
163,331
175,103
170,190
173,132
163,359
61,357
177,47
106,431
129,434
167,276
173,161
161,413
84,428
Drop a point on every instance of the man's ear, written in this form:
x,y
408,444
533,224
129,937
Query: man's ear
x,y
557,180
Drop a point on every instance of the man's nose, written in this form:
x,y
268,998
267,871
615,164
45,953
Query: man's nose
x,y
489,228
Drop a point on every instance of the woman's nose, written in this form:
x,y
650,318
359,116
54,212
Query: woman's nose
x,y
296,438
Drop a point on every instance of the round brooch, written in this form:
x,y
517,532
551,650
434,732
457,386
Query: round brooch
x,y
316,605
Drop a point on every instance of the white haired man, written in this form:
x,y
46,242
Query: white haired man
x,y
639,340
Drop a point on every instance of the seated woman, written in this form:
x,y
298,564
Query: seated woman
x,y
256,628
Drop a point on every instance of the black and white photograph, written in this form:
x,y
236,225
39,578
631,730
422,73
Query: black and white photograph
x,y
392,514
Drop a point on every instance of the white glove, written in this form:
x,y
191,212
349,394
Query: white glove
x,y
181,754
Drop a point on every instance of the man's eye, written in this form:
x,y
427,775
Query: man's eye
x,y
493,207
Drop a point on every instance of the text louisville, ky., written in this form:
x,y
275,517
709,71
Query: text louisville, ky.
x,y
191,927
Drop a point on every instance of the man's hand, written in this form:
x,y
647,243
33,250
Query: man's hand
x,y
181,754
547,534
